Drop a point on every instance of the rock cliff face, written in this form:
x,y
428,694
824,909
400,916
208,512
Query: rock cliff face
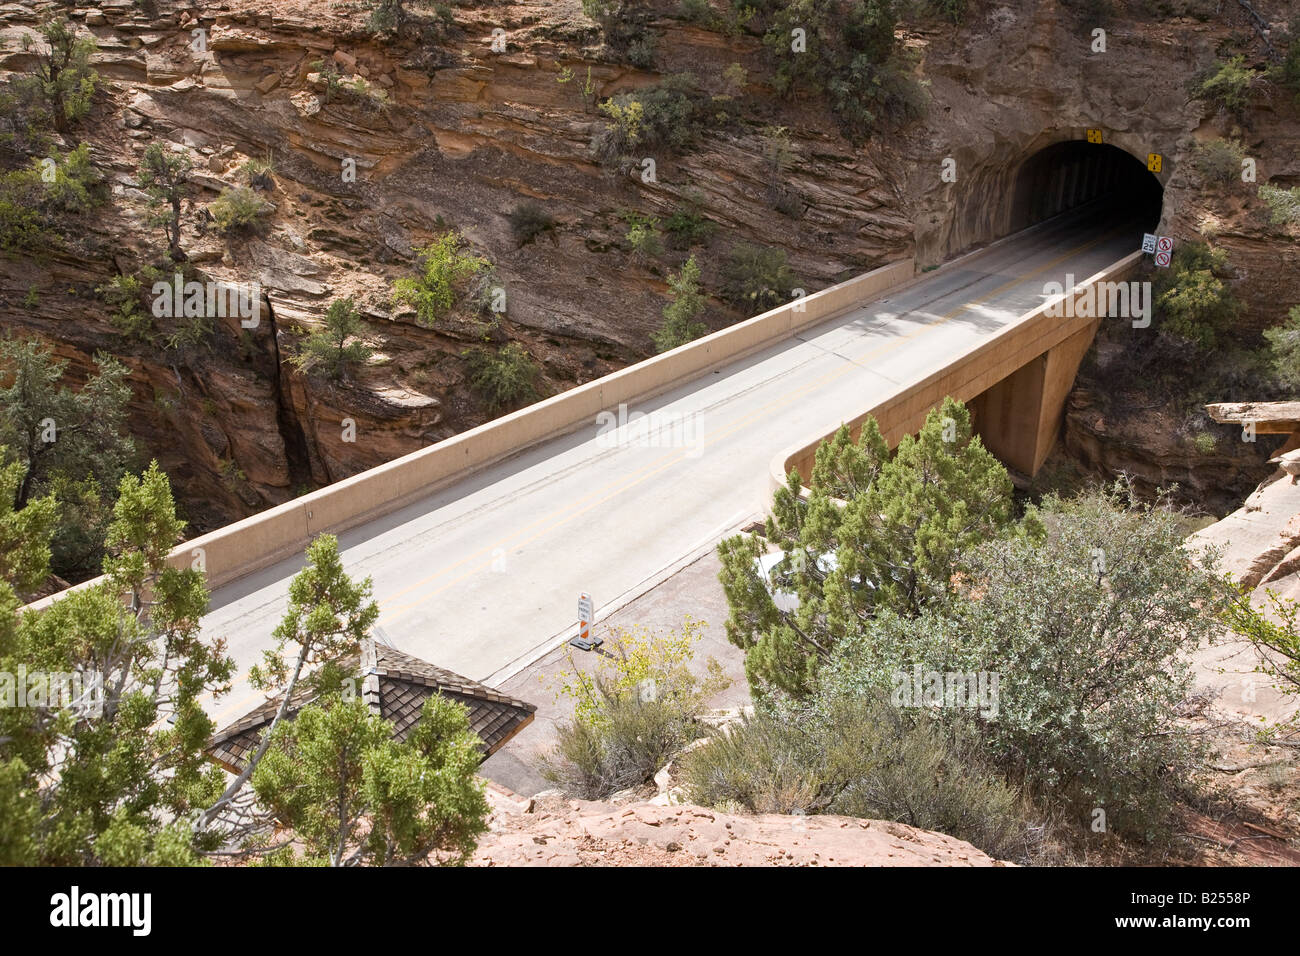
x,y
1020,77
467,133
1146,445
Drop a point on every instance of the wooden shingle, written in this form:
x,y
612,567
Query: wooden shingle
x,y
394,686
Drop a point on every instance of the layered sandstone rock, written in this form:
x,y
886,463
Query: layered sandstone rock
x,y
468,133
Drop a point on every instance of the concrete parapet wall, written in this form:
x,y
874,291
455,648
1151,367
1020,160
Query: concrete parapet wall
x,y
256,542
1001,355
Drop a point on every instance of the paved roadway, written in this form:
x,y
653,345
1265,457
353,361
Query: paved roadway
x,y
484,575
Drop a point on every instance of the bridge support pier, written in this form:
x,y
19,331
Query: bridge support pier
x,y
1019,418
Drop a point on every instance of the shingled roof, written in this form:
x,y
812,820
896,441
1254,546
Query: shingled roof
x,y
395,686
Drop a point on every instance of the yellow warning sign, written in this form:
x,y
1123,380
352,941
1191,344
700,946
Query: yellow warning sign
x,y
1154,162
1094,136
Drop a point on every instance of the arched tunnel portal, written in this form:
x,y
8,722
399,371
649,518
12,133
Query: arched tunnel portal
x,y
1074,173
1107,188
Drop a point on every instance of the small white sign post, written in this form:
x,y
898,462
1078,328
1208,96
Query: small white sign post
x,y
586,615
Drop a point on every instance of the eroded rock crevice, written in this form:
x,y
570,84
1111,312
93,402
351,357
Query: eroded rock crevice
x,y
291,430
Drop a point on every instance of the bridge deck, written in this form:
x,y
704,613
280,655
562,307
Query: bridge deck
x,y
485,573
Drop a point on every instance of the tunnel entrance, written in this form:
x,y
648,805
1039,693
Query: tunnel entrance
x,y
1043,178
1070,174
1019,416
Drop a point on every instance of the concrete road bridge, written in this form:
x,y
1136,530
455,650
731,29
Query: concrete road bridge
x,y
480,545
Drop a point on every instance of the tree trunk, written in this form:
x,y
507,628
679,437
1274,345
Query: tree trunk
x,y
238,783
24,490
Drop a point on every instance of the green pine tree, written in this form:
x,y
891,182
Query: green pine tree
x,y
336,764
165,176
332,348
328,616
115,781
681,323
24,533
897,528
61,74
73,444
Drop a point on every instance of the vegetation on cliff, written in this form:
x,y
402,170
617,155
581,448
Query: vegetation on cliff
x,y
64,445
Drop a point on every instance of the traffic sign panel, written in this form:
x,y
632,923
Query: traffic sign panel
x,y
1164,244
586,614
1162,259
1148,242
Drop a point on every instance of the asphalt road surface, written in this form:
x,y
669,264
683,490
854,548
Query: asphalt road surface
x,y
484,575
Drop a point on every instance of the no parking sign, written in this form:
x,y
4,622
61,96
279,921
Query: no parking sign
x,y
1164,250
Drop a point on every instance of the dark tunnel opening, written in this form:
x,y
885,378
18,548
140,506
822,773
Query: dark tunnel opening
x,y
1071,174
